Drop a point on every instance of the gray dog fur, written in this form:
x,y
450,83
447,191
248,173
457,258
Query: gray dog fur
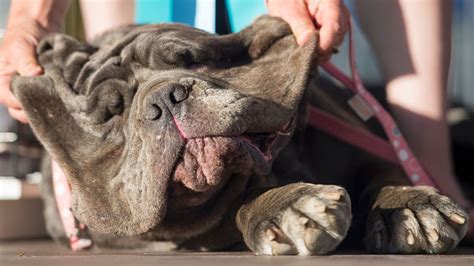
x,y
169,133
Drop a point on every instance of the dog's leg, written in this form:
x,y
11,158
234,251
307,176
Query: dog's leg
x,y
299,218
405,219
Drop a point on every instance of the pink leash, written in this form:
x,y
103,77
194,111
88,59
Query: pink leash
x,y
357,137
367,141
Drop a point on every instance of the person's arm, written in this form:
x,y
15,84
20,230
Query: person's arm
x,y
412,40
28,22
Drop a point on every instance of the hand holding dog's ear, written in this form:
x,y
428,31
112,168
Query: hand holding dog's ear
x,y
306,16
18,54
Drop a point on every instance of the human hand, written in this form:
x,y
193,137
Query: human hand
x,y
331,17
18,54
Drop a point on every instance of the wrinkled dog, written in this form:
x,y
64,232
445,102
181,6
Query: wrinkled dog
x,y
170,133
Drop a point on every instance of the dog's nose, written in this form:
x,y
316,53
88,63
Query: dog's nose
x,y
178,93
170,95
152,111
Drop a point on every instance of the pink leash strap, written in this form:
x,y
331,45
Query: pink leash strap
x,y
357,137
75,231
415,172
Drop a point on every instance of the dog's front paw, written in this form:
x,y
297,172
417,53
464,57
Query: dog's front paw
x,y
414,220
301,218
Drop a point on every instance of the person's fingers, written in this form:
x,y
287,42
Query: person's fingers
x,y
296,14
3,61
18,115
22,56
8,99
6,96
301,23
333,17
5,68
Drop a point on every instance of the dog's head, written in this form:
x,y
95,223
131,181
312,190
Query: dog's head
x,y
159,118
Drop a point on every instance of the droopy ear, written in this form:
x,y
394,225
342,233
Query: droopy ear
x,y
89,161
71,124
52,123
77,111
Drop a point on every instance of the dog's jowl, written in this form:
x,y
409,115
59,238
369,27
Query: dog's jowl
x,y
169,133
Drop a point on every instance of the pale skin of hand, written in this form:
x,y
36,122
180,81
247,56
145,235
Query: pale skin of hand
x,y
306,17
17,54
29,21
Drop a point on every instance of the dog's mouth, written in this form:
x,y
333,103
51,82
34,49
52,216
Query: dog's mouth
x,y
261,144
206,164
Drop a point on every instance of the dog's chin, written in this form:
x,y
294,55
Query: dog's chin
x,y
207,164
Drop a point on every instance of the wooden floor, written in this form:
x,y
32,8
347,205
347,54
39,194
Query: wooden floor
x,y
42,252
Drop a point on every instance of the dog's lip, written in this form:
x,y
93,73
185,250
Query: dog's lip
x,y
259,145
197,199
261,149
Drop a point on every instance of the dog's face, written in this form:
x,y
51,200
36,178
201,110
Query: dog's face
x,y
157,119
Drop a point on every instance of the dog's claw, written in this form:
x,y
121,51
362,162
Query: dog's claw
x,y
333,196
458,219
282,248
410,238
271,235
320,208
433,234
303,220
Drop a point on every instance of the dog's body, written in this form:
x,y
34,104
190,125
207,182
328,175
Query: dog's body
x,y
167,133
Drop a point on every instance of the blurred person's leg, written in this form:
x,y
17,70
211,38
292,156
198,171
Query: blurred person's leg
x,y
99,16
412,39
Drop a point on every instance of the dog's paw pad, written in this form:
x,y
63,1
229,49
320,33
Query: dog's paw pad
x,y
415,220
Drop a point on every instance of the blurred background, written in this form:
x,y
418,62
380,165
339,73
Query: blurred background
x,y
20,154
